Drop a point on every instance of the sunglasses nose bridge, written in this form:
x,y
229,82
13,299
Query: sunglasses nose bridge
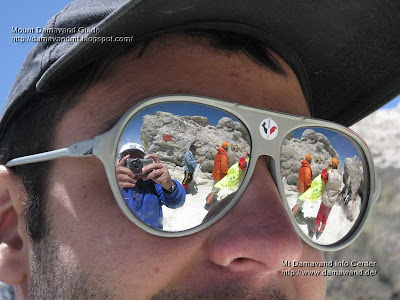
x,y
267,133
267,130
273,163
262,147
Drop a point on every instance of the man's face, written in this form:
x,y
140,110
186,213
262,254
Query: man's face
x,y
98,253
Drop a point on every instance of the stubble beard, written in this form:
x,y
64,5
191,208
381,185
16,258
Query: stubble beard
x,y
51,278
223,292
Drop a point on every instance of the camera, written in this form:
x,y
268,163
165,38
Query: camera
x,y
137,164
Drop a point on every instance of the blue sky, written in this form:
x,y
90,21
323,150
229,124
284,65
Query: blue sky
x,y
25,14
132,129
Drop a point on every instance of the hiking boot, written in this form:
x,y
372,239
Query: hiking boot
x,y
210,200
311,234
185,187
207,207
298,218
318,234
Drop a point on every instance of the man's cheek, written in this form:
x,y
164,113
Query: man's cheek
x,y
311,287
79,194
87,223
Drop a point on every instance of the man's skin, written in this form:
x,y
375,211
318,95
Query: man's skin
x,y
94,251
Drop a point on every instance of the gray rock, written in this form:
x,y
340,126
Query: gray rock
x,y
167,120
185,130
353,173
294,150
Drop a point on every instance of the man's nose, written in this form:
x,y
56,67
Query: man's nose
x,y
256,235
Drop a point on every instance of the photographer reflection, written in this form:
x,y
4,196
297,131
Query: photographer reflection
x,y
146,185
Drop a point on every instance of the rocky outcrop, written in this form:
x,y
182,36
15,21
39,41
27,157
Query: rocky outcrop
x,y
182,131
294,150
381,132
353,173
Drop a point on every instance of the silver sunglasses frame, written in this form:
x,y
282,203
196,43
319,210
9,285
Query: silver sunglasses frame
x,y
105,144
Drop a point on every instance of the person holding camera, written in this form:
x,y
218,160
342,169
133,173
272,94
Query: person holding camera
x,y
146,184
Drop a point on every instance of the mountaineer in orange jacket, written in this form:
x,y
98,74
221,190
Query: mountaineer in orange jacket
x,y
305,175
304,181
221,162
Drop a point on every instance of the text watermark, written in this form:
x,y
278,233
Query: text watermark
x,y
352,268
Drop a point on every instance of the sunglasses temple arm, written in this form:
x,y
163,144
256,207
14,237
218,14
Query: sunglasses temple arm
x,y
80,149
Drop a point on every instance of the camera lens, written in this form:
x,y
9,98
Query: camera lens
x,y
136,166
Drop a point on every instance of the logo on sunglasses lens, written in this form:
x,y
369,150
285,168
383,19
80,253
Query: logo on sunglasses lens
x,y
268,129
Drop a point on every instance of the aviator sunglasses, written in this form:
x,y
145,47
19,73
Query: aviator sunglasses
x,y
166,126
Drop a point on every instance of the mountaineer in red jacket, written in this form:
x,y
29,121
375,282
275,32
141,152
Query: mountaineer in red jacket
x,y
303,182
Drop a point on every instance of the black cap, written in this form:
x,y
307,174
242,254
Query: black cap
x,y
346,54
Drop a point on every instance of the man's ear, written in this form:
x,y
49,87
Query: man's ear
x,y
14,238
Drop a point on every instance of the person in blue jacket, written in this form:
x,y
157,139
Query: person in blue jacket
x,y
190,166
146,192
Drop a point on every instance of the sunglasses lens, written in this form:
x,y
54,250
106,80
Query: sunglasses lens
x,y
325,179
200,149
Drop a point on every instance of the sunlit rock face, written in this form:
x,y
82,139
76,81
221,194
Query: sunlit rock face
x,y
294,150
169,136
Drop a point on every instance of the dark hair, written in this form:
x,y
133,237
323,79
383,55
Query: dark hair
x,y
34,127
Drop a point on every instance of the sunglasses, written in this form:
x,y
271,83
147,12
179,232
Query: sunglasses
x,y
338,193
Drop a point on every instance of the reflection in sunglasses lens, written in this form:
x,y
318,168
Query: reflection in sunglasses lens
x,y
194,159
324,181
